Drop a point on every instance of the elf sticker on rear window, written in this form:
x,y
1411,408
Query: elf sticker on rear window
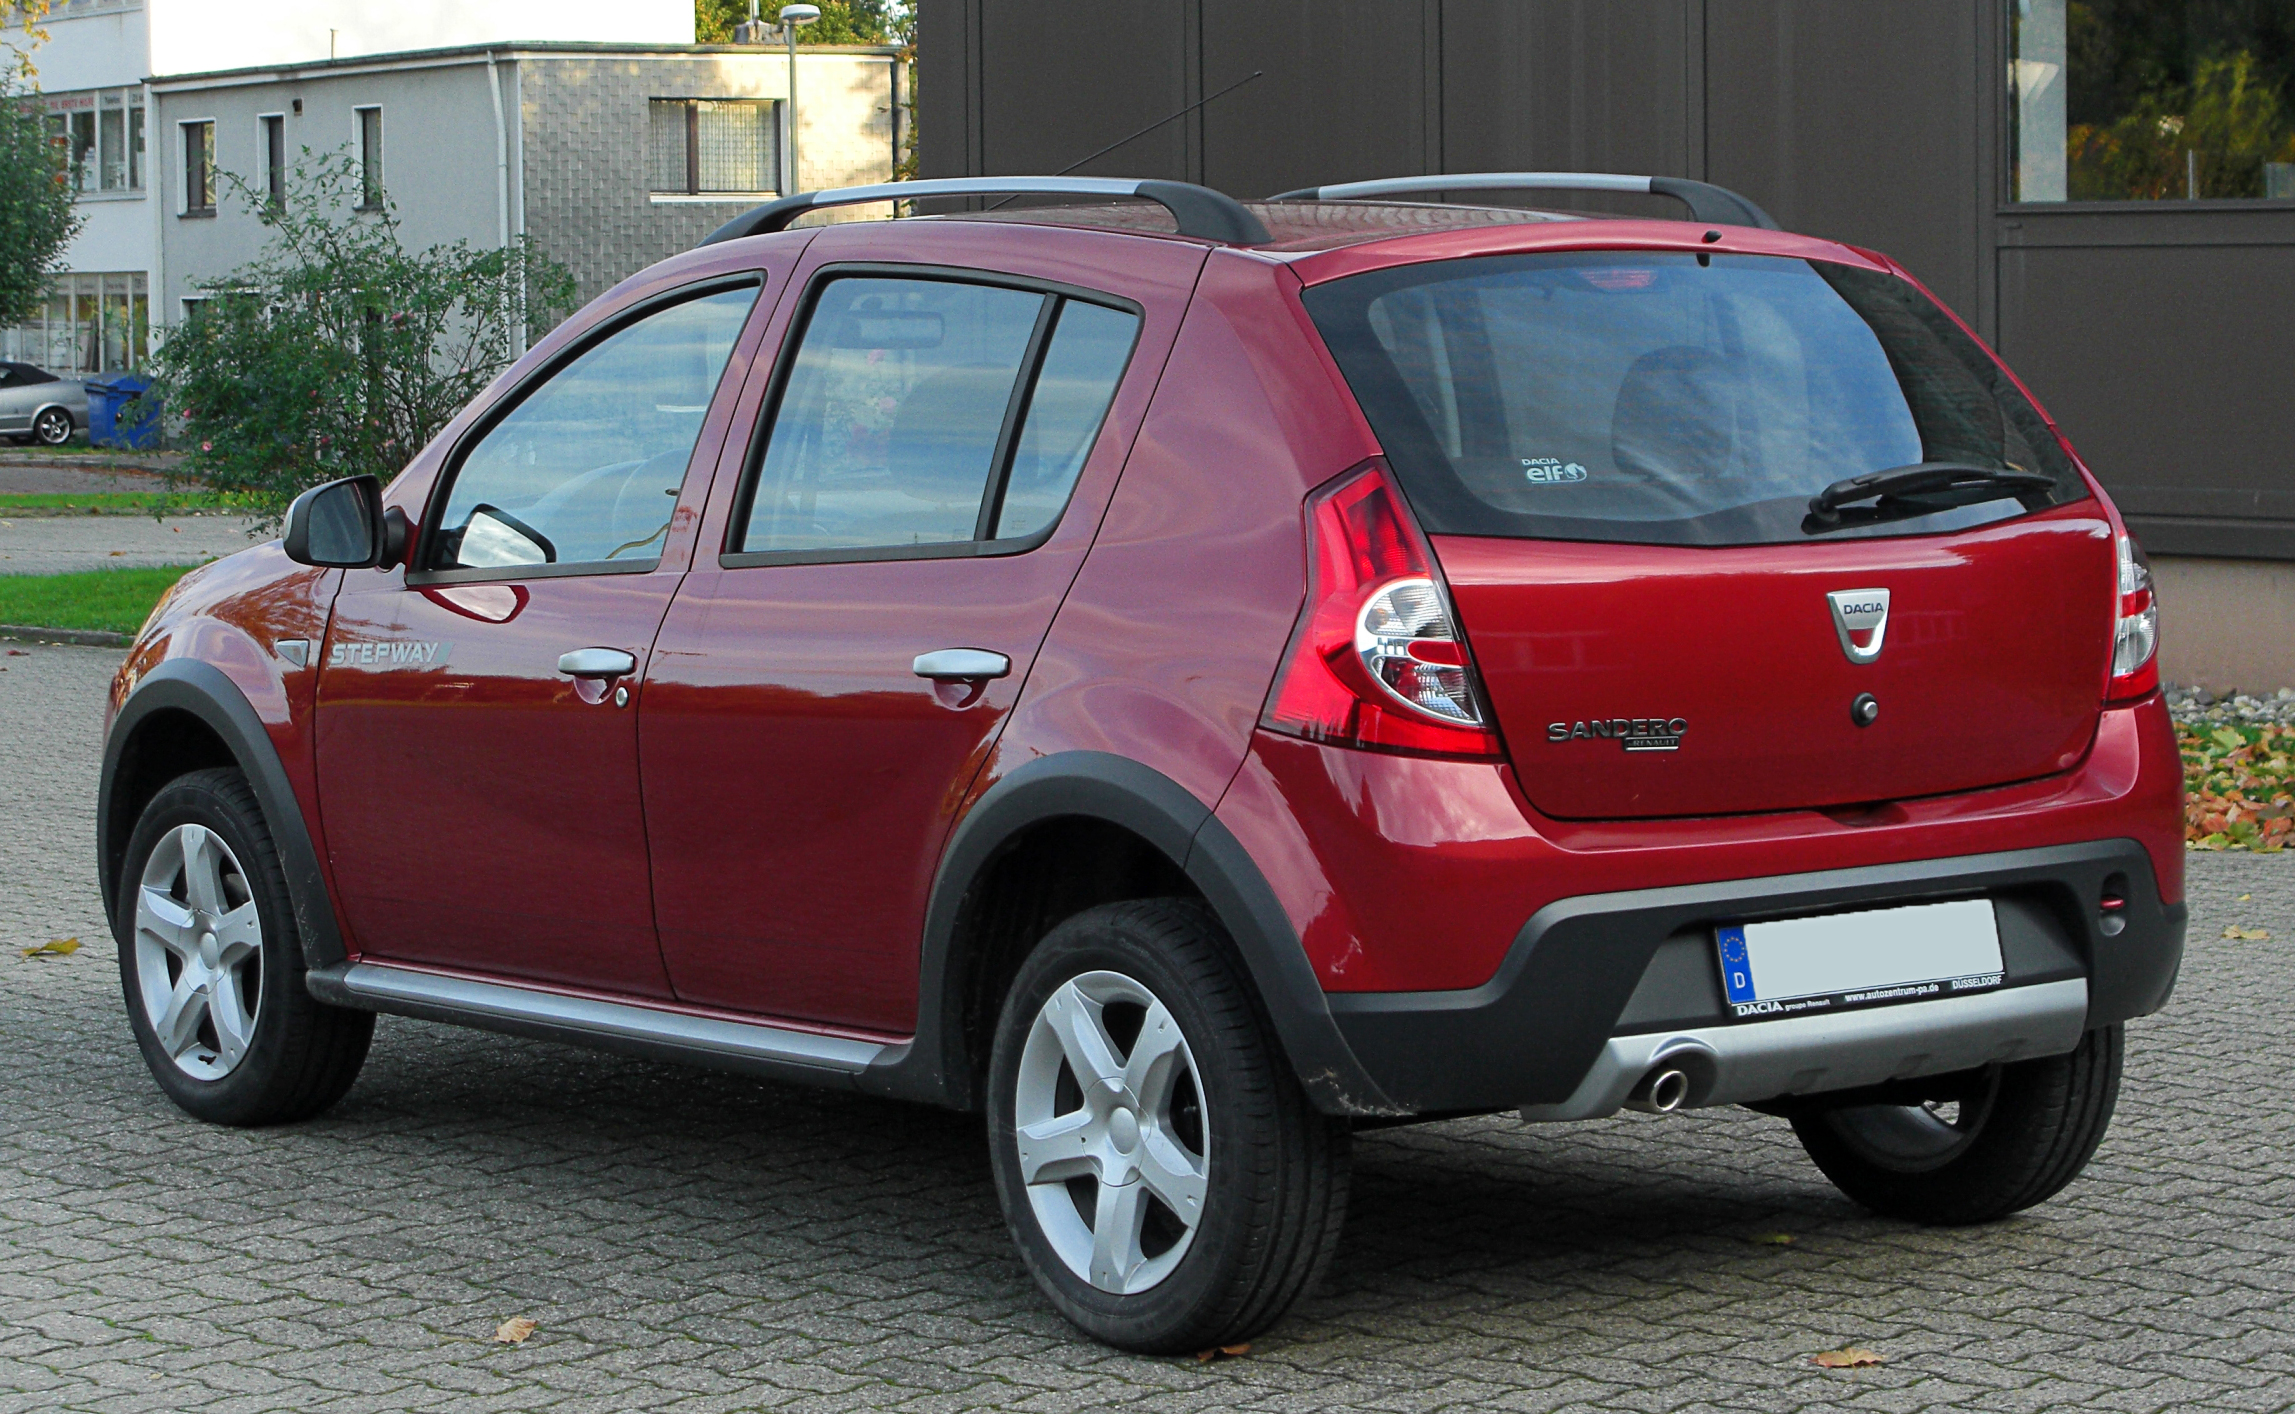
x,y
1551,471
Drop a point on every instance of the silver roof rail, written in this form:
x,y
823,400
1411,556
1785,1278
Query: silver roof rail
x,y
1199,211
1706,202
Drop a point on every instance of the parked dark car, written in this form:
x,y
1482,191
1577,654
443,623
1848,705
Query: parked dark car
x,y
37,406
1186,687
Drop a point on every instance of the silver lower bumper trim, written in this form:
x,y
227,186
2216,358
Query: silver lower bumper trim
x,y
731,1045
1805,1055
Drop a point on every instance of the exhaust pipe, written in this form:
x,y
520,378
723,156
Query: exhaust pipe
x,y
1661,1092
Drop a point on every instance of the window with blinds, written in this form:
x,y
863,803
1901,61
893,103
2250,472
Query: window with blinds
x,y
705,146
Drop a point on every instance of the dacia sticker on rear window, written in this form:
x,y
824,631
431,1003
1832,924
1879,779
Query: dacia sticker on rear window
x,y
1551,471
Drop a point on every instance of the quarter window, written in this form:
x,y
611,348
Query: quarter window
x,y
905,406
585,469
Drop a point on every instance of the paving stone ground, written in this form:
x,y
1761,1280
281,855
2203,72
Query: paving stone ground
x,y
692,1242
63,544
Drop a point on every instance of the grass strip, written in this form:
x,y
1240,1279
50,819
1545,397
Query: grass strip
x,y
2239,786
109,601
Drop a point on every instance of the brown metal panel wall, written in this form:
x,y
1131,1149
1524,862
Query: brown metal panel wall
x,y
1343,98
1574,86
1857,120
1059,80
2162,341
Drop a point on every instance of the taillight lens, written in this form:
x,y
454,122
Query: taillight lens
x,y
2136,635
1377,660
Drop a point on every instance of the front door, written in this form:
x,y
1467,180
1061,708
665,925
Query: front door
x,y
477,731
933,468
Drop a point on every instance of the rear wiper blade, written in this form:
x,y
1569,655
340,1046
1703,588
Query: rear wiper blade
x,y
1956,483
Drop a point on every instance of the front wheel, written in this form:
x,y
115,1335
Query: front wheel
x,y
1168,1184
213,968
1981,1145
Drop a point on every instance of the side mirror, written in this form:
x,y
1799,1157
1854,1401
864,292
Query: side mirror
x,y
342,525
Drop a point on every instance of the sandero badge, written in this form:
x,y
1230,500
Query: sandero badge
x,y
1634,733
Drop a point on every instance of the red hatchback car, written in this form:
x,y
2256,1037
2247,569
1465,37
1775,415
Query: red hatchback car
x,y
1190,683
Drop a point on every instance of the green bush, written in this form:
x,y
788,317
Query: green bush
x,y
339,351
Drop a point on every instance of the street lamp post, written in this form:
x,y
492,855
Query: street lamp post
x,y
791,17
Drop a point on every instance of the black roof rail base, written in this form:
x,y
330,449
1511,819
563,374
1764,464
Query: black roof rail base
x,y
1198,211
1706,202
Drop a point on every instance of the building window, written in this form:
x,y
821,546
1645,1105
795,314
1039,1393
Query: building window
x,y
708,146
100,133
2150,100
199,168
370,159
275,157
87,324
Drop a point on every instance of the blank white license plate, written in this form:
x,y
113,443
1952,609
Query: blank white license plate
x,y
1870,958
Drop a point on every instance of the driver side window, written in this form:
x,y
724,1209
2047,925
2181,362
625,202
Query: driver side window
x,y
585,469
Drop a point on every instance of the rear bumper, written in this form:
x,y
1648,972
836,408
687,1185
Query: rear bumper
x,y
1598,986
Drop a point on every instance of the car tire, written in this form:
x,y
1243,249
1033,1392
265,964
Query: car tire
x,y
1150,991
2016,1135
52,428
212,968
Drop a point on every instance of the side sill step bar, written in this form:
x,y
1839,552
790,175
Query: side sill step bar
x,y
747,1048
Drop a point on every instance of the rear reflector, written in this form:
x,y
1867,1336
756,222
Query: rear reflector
x,y
2136,636
1377,660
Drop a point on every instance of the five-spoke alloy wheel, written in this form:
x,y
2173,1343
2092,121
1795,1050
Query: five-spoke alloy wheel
x,y
1167,1181
199,952
52,428
212,964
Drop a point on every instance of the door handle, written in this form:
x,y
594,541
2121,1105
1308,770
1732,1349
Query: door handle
x,y
962,665
597,663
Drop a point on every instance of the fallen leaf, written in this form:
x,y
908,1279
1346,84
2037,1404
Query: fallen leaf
x,y
1772,1239
18,653
1222,1352
1848,1357
515,1330
2244,898
55,947
2252,935
117,553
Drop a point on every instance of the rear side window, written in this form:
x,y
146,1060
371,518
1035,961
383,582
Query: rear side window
x,y
1670,399
923,415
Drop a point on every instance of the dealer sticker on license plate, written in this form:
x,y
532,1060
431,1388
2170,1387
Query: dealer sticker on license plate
x,y
1869,958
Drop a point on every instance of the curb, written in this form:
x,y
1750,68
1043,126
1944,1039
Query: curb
x,y
81,637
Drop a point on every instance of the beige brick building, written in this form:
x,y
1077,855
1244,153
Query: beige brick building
x,y
609,156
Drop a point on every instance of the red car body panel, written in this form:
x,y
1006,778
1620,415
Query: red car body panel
x,y
1165,647
800,778
1978,683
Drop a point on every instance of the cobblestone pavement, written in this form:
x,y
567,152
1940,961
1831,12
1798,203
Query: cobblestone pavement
x,y
61,544
691,1242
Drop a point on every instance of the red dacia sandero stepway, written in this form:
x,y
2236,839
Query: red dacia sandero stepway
x,y
1186,680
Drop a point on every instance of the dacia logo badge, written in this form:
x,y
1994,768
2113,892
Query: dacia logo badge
x,y
1861,617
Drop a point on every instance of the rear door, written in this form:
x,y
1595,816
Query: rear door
x,y
1615,454
937,447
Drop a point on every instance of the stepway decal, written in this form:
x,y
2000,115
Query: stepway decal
x,y
1550,471
398,653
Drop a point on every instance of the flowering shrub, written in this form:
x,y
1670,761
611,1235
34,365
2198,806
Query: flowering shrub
x,y
339,351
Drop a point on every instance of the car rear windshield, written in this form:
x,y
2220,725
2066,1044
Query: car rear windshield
x,y
1674,399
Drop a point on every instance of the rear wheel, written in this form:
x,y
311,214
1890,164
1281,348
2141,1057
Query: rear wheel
x,y
1980,1145
1167,1181
52,428
213,968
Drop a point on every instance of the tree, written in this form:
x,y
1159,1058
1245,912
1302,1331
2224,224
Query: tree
x,y
841,22
339,351
37,215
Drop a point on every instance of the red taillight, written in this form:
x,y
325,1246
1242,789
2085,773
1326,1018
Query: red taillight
x,y
1377,660
2135,629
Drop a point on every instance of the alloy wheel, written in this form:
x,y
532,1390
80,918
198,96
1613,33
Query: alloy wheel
x,y
1108,1116
53,428
198,952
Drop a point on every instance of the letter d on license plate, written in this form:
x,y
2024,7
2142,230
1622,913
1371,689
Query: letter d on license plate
x,y
1869,958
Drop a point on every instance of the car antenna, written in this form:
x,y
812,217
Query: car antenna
x,y
1143,132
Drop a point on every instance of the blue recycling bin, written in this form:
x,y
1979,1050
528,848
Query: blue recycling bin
x,y
109,423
